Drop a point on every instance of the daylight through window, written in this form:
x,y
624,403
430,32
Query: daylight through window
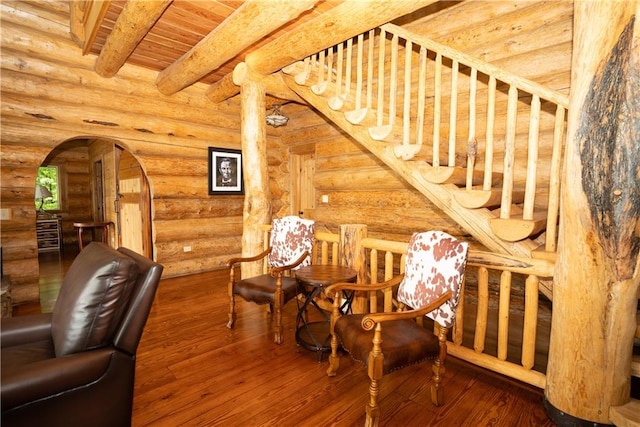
x,y
48,178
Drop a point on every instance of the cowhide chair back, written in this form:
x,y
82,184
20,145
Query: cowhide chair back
x,y
435,263
384,342
290,238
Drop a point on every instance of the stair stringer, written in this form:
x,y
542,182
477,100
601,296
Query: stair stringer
x,y
474,221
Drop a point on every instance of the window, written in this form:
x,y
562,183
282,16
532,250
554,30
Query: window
x,y
48,178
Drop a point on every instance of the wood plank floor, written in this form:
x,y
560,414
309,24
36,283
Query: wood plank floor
x,y
193,371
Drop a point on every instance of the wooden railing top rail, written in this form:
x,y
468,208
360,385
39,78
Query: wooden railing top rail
x,y
541,268
486,68
516,264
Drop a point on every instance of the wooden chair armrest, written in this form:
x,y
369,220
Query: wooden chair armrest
x,y
275,271
261,255
336,287
370,320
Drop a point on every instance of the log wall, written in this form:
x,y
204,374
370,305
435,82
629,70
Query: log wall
x,y
360,189
52,95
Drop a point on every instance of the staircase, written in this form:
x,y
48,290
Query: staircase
x,y
484,145
429,113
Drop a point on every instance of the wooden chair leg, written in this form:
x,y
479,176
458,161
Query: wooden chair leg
x,y
232,312
232,301
437,390
334,359
278,330
376,371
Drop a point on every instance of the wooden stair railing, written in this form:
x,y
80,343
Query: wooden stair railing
x,y
445,77
383,67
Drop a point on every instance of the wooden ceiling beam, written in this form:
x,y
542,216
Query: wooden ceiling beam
x,y
229,85
76,26
248,24
346,20
273,83
133,24
92,19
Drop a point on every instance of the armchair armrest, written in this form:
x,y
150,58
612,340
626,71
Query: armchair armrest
x,y
275,271
261,255
52,376
336,287
25,329
370,320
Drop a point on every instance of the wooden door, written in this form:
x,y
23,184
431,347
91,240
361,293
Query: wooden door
x,y
134,212
303,193
98,195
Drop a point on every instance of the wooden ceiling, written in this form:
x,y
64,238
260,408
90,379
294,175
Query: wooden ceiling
x,y
185,23
190,41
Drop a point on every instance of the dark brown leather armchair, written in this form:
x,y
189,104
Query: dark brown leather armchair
x,y
76,366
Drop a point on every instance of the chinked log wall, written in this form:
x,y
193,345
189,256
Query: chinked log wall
x,y
51,94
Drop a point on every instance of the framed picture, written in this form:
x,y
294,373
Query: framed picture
x,y
225,171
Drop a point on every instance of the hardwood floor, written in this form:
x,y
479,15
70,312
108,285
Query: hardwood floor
x,y
192,370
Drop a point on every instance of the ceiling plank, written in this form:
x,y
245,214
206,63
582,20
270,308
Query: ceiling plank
x,y
135,21
255,18
346,20
94,14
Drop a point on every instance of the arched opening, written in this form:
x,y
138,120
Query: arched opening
x,y
98,181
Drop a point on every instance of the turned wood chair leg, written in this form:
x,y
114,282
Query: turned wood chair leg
x,y
334,359
278,330
376,371
232,313
437,391
232,301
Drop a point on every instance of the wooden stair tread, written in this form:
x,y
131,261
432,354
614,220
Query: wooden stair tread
x,y
454,175
476,199
516,228
543,254
360,115
626,415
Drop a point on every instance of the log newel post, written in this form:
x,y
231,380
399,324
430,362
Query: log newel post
x,y
257,198
352,255
597,277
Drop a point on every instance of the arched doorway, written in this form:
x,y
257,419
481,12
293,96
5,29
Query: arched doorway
x,y
99,180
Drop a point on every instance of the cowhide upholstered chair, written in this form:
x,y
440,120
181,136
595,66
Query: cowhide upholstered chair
x,y
290,246
434,271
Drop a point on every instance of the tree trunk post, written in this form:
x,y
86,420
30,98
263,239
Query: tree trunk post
x,y
597,277
257,198
352,255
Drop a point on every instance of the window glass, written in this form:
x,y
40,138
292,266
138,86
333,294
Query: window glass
x,y
48,178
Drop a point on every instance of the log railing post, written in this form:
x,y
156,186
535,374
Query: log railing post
x,y
352,255
597,277
257,199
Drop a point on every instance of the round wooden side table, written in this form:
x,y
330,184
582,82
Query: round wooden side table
x,y
316,336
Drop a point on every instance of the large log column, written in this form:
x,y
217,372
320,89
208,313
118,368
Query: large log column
x,y
597,277
257,199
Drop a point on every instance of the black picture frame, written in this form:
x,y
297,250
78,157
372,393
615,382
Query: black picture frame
x,y
218,183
